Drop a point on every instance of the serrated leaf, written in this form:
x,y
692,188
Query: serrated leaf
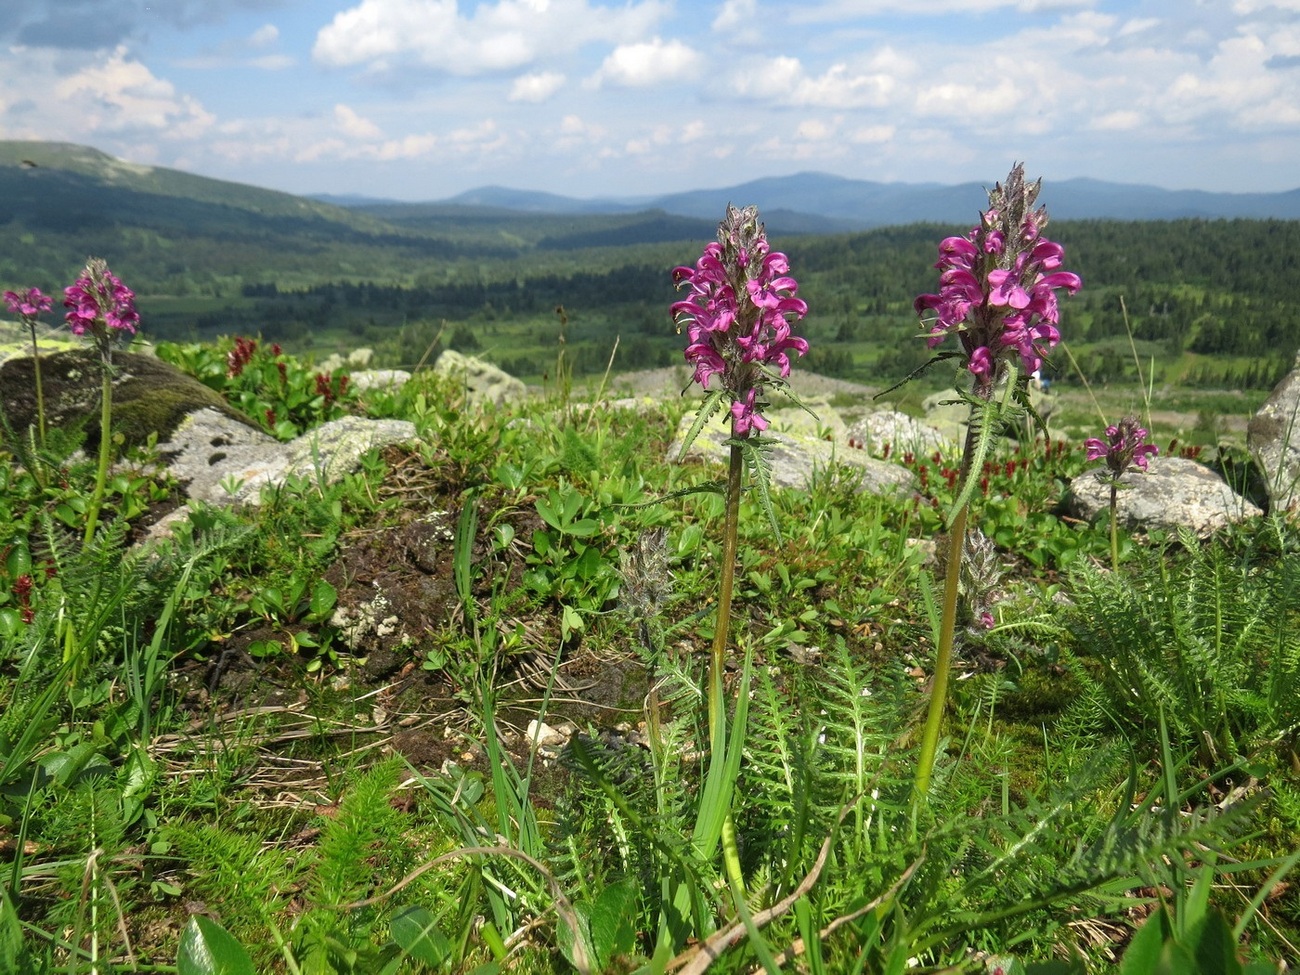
x,y
760,473
707,409
984,419
209,949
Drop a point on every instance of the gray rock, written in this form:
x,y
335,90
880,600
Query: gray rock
x,y
150,397
223,461
947,414
798,456
386,379
484,382
903,433
1273,438
1174,493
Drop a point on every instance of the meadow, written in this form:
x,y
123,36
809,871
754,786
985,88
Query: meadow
x,y
582,763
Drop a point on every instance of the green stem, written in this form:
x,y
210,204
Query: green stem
x,y
727,584
40,395
947,634
105,445
1114,529
943,657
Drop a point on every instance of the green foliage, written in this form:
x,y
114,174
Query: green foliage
x,y
208,949
1205,636
570,561
603,856
275,389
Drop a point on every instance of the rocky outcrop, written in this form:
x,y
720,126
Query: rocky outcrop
x,y
804,449
899,433
149,396
483,382
1273,438
215,452
1174,493
222,461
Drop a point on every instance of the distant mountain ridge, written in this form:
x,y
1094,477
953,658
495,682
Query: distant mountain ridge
x,y
837,203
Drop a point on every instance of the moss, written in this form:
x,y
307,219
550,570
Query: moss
x,y
149,396
1039,694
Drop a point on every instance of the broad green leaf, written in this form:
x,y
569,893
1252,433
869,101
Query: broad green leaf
x,y
1212,943
209,949
548,514
323,598
415,931
1143,953
610,922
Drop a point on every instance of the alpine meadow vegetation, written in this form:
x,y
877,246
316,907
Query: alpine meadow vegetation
x,y
656,716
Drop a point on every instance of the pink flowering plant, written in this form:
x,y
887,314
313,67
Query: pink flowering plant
x,y
739,312
1124,449
102,307
998,298
28,305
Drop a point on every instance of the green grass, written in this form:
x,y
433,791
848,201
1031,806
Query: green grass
x,y
318,812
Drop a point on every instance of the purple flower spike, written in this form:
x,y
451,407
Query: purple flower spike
x,y
997,286
1124,449
738,314
28,303
99,303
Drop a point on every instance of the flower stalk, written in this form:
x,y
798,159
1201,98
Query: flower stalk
x,y
101,306
997,295
28,305
738,316
1124,449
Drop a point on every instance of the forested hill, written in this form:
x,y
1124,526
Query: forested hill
x,y
1199,295
1214,300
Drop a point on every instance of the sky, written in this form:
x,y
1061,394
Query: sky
x,y
423,99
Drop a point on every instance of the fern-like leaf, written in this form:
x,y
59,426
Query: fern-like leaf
x,y
755,451
711,406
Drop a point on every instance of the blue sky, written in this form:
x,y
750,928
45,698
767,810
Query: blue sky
x,y
421,99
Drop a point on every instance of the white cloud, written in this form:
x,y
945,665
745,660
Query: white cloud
x,y
1123,120
1247,7
381,34
536,87
352,124
784,81
273,62
115,93
264,36
735,14
653,62
872,135
853,10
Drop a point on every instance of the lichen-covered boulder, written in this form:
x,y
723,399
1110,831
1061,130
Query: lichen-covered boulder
x,y
900,432
800,452
225,462
1273,438
149,396
1174,493
484,382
